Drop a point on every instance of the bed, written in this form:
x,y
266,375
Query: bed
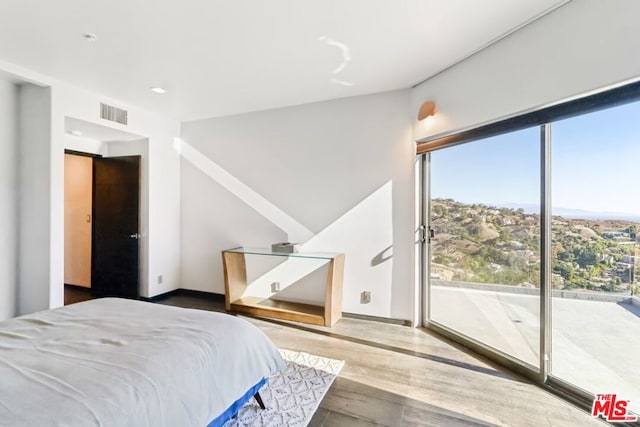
x,y
117,362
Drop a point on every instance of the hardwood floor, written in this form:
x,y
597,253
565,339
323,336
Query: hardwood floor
x,y
436,385
400,376
73,294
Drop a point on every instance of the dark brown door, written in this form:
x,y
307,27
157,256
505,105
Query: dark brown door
x,y
115,247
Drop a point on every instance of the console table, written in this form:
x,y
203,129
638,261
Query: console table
x,y
235,285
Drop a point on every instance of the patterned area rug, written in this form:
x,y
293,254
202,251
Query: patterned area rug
x,y
292,395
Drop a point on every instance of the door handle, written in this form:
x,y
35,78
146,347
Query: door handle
x,y
426,235
135,236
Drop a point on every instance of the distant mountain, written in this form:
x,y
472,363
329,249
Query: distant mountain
x,y
531,208
481,243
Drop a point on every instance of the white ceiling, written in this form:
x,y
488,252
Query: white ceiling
x,y
221,57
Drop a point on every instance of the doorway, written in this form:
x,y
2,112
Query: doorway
x,y
102,226
78,205
100,142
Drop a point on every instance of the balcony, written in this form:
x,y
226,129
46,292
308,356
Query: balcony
x,y
595,340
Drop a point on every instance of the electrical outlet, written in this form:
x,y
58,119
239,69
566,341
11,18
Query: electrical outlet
x,y
365,297
160,279
275,286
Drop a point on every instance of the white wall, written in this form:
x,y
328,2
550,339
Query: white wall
x,y
582,46
34,197
8,198
163,239
85,145
337,176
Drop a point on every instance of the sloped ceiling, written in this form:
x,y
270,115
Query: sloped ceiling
x,y
222,57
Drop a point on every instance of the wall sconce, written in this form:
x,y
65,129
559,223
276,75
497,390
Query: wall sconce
x,y
428,108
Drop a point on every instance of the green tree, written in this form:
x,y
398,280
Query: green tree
x,y
585,255
566,270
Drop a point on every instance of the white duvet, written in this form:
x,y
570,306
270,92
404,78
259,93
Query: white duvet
x,y
115,362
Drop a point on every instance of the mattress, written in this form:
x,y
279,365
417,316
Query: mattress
x,y
116,362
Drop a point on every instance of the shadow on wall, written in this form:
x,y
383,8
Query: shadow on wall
x,y
385,255
364,234
296,231
297,279
359,233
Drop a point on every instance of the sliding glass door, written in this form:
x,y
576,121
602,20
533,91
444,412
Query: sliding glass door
x,y
596,217
532,244
484,253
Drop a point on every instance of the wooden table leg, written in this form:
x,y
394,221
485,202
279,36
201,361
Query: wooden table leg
x,y
235,277
333,295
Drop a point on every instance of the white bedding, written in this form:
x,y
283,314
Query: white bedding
x,y
115,362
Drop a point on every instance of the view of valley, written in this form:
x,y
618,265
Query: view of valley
x,y
496,245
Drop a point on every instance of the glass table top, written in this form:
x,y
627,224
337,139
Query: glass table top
x,y
268,251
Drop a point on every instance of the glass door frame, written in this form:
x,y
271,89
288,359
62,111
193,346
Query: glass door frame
x,y
613,95
538,374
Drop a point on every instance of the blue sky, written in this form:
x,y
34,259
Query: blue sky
x,y
594,165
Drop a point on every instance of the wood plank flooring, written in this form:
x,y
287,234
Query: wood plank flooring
x,y
400,376
439,386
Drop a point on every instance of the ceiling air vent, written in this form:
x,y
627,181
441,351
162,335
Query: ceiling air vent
x,y
113,114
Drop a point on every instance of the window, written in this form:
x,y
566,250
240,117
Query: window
x,y
533,258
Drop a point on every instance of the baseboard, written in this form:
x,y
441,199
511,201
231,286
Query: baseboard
x,y
400,322
212,296
185,292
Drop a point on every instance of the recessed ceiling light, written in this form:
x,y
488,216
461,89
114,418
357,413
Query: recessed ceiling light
x,y
89,37
157,89
75,132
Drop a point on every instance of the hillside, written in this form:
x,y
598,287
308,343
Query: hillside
x,y
486,244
